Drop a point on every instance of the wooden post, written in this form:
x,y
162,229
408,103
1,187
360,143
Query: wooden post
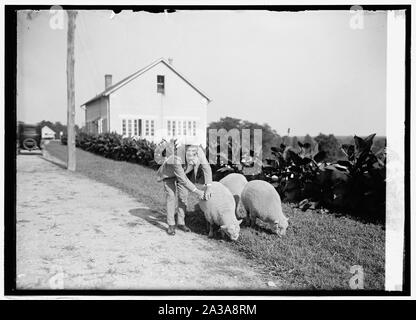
x,y
70,62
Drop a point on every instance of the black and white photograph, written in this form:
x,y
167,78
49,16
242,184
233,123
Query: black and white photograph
x,y
208,150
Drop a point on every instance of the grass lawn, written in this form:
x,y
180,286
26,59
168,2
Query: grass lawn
x,y
317,252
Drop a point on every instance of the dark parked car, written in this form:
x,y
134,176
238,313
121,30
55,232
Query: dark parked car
x,y
29,137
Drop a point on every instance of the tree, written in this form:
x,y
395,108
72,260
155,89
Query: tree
x,y
294,143
286,140
60,127
308,139
227,123
379,143
329,144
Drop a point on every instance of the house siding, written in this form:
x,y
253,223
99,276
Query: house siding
x,y
94,111
140,99
47,133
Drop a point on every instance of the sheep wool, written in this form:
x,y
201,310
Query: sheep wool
x,y
220,210
235,182
262,201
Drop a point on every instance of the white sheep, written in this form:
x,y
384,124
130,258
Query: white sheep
x,y
220,210
235,182
262,201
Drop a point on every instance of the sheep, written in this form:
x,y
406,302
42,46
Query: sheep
x,y
220,210
262,201
235,182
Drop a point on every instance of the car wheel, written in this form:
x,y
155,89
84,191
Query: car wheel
x,y
29,144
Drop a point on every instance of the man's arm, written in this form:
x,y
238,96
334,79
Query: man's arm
x,y
182,178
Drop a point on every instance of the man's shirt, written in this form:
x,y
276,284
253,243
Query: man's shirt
x,y
176,167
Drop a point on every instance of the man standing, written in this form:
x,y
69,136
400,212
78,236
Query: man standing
x,y
173,172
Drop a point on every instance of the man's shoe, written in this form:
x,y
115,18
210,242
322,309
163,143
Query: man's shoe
x,y
171,230
183,227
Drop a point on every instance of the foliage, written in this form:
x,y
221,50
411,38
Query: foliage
x,y
114,146
329,144
294,142
356,185
57,127
363,188
293,170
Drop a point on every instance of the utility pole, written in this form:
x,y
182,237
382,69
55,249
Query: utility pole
x,y
70,63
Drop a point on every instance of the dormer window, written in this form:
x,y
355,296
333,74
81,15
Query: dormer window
x,y
161,84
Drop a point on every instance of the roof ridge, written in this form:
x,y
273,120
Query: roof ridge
x,y
132,76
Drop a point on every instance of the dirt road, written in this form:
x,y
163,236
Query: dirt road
x,y
75,233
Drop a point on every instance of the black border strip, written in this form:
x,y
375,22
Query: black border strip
x,y
407,215
10,70
10,156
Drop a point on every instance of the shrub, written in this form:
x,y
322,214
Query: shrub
x,y
355,186
114,146
363,190
329,144
294,170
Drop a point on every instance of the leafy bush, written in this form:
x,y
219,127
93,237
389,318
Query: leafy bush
x,y
363,189
64,139
114,146
293,170
329,144
356,185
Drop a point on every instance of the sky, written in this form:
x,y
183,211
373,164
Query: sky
x,y
308,71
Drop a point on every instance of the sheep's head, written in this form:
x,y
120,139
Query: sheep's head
x,y
281,226
232,230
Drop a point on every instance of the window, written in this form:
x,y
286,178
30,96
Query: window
x,y
123,127
147,128
129,127
160,84
152,127
135,127
181,128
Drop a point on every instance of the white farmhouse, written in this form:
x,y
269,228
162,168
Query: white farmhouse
x,y
47,133
156,102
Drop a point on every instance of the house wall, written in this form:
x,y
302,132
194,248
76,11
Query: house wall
x,y
94,111
47,133
139,99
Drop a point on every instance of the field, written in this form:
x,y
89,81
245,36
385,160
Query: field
x,y
317,252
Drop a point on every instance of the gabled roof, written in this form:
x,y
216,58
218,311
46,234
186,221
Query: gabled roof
x,y
133,76
45,126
